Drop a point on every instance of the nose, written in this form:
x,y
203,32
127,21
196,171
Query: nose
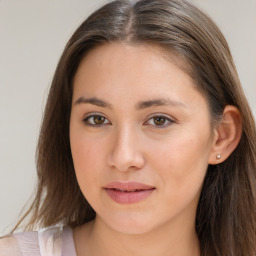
x,y
125,152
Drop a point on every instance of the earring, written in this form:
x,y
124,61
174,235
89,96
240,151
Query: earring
x,y
218,156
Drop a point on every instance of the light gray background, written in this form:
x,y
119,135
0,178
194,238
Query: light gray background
x,y
32,36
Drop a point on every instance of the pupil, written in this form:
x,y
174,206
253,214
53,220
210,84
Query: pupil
x,y
159,120
98,119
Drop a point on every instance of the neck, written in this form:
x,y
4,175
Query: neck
x,y
176,238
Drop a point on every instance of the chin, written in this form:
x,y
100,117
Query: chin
x,y
130,224
132,229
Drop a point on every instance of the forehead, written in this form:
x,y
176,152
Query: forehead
x,y
131,71
116,57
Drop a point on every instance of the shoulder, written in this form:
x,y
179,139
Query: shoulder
x,y
28,243
48,241
9,246
43,242
57,241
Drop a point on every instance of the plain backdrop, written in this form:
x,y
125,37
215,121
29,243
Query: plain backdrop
x,y
33,34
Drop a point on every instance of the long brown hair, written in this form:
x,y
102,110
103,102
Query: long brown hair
x,y
226,216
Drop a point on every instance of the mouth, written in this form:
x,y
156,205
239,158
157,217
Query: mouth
x,y
128,192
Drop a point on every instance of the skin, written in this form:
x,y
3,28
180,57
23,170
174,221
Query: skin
x,y
130,145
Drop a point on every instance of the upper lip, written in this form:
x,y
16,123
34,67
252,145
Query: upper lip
x,y
128,186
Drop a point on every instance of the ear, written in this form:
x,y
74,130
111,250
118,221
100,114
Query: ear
x,y
227,135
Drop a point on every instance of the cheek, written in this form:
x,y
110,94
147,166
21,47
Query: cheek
x,y
182,163
83,147
87,159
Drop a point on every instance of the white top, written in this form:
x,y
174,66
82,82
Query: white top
x,y
56,241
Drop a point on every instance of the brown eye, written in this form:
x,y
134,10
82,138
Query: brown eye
x,y
96,120
159,120
99,119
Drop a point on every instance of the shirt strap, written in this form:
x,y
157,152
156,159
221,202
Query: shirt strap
x,y
50,241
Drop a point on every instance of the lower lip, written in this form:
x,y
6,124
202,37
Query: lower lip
x,y
123,197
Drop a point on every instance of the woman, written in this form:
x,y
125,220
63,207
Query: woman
x,y
147,145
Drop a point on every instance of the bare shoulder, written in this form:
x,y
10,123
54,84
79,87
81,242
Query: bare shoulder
x,y
9,246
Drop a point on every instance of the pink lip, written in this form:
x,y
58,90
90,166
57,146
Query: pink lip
x,y
128,192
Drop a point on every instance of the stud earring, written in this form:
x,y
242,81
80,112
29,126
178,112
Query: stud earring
x,y
218,156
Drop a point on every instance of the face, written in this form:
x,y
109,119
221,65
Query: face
x,y
140,138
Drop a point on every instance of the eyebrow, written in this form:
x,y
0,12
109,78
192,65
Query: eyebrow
x,y
93,101
159,102
139,106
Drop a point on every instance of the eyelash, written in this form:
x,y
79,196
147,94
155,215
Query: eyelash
x,y
94,115
167,121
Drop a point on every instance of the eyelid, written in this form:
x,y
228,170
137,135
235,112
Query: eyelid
x,y
92,114
89,114
170,119
167,117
